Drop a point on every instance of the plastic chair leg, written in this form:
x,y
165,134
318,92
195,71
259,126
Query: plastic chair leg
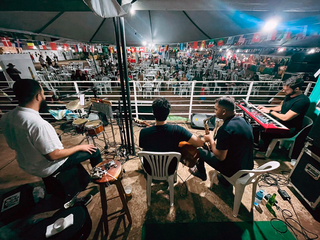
x,y
291,149
254,190
149,181
239,188
171,189
271,147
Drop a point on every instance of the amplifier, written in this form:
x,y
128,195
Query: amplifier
x,y
197,121
305,176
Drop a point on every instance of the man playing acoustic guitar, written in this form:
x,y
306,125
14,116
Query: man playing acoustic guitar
x,y
232,148
164,137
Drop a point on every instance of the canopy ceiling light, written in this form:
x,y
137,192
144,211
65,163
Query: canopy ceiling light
x,y
271,24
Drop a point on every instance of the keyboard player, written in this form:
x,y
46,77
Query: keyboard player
x,y
290,112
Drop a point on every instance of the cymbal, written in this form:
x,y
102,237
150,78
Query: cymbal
x,y
74,105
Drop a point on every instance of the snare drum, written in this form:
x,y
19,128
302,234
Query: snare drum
x,y
94,127
79,124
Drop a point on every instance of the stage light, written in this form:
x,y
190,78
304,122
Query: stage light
x,y
144,43
132,11
271,24
238,50
311,51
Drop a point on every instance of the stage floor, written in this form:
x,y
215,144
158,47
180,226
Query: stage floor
x,y
194,203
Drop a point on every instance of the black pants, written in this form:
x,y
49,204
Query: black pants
x,y
79,157
209,158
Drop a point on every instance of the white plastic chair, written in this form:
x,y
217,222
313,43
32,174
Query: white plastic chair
x,y
252,176
107,84
184,88
139,87
157,88
159,163
307,123
147,89
216,86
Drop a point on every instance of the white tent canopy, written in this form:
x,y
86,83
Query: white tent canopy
x,y
157,21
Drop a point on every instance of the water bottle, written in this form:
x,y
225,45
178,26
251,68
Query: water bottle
x,y
259,196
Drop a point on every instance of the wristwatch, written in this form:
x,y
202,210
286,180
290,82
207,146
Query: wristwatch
x,y
270,111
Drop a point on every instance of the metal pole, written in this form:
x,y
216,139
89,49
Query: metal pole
x,y
191,99
115,23
126,80
249,91
135,98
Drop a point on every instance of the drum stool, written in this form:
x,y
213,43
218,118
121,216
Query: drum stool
x,y
110,178
68,183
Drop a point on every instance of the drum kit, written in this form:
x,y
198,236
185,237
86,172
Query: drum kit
x,y
91,126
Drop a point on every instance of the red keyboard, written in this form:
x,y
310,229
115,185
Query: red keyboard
x,y
269,124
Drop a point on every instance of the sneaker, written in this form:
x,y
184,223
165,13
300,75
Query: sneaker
x,y
196,173
84,200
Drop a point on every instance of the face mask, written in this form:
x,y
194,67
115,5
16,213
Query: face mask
x,y
43,107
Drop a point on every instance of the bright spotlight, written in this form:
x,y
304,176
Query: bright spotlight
x,y
238,50
311,51
132,11
144,43
270,25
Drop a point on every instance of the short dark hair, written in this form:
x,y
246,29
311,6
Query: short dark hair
x,y
161,109
25,90
294,82
226,102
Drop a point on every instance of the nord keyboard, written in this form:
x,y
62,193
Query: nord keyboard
x,y
269,124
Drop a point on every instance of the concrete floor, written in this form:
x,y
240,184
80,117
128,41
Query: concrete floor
x,y
199,202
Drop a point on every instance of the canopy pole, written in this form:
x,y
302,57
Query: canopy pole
x,y
116,29
126,77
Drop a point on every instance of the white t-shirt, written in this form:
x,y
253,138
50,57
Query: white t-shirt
x,y
31,137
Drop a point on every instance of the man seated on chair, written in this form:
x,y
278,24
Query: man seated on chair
x,y
39,150
290,112
232,148
164,137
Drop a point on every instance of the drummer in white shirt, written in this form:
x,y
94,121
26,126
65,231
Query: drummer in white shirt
x,y
38,147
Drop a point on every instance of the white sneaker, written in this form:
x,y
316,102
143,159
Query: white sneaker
x,y
293,162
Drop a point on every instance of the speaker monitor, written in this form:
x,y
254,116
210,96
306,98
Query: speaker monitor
x,y
314,133
305,177
197,121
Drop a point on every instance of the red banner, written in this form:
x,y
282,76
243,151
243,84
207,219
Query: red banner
x,y
65,46
195,45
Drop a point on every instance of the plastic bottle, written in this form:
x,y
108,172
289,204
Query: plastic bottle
x,y
271,202
259,197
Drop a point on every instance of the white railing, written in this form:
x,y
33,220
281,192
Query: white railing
x,y
198,98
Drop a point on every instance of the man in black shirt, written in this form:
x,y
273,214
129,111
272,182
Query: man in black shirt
x,y
13,72
232,149
290,112
164,137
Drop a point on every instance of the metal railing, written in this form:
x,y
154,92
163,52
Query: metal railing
x,y
197,97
